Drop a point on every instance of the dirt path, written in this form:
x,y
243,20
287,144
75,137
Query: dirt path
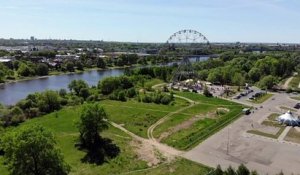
x,y
158,85
287,82
160,121
148,149
167,151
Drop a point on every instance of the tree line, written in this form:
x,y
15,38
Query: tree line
x,y
264,70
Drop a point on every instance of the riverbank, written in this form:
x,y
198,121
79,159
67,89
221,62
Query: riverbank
x,y
56,73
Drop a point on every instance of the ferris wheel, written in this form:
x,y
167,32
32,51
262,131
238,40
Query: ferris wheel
x,y
184,43
187,37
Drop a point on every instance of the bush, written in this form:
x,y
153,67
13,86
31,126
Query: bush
x,y
110,84
92,98
62,92
166,100
63,101
131,93
158,98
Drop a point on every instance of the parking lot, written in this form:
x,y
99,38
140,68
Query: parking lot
x,y
233,145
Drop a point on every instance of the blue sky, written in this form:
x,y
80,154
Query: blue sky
x,y
151,20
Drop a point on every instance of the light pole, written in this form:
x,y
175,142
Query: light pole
x,y
227,151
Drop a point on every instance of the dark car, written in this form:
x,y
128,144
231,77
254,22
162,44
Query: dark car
x,y
297,106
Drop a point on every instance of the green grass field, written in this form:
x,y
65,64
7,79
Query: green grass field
x,y
200,130
138,117
62,124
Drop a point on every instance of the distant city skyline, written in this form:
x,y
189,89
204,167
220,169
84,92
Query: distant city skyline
x,y
257,21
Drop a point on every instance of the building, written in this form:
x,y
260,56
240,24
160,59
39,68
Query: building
x,y
67,57
6,59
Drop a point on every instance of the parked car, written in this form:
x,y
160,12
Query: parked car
x,y
246,111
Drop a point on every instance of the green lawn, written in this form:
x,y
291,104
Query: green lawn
x,y
66,134
62,124
262,98
183,116
152,82
200,130
138,117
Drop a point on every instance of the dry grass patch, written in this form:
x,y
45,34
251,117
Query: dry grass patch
x,y
293,135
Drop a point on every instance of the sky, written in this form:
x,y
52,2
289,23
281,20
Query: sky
x,y
152,20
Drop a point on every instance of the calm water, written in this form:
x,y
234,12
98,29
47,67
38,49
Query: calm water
x,y
13,92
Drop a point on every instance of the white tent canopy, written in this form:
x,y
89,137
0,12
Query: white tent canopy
x,y
289,119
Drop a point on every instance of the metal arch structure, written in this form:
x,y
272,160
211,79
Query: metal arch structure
x,y
187,37
181,44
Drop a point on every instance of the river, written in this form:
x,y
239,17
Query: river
x,y
11,93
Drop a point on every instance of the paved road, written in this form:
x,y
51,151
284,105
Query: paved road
x,y
233,146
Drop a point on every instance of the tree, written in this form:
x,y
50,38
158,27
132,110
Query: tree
x,y
79,65
84,93
101,63
77,85
42,69
206,92
268,82
48,101
62,92
2,75
227,56
108,85
230,171
32,151
238,79
70,67
242,170
218,171
92,122
25,70
254,74
215,76
121,95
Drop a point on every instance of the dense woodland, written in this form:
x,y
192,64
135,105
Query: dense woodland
x,y
264,70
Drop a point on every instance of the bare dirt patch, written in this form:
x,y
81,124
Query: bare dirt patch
x,y
147,153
